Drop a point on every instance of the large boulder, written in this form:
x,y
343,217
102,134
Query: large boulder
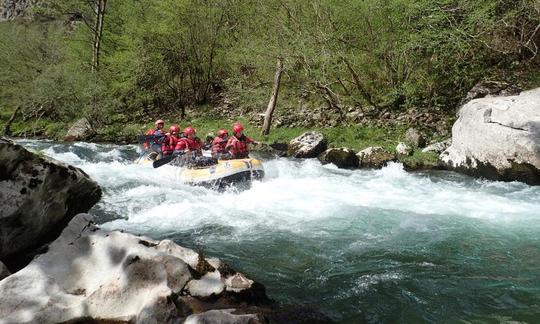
x,y
498,138
374,157
80,131
342,157
307,145
93,275
39,196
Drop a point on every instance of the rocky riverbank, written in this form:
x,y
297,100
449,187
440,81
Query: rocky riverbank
x,y
497,138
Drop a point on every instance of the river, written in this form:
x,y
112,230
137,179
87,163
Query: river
x,y
360,246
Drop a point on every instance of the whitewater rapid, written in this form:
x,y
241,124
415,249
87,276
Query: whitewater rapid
x,y
338,240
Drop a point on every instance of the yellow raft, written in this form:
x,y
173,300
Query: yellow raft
x,y
224,173
220,175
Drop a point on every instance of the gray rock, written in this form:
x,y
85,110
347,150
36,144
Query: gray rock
x,y
438,147
90,274
415,138
4,271
342,157
403,149
490,89
498,138
38,196
80,131
307,145
374,157
12,9
222,316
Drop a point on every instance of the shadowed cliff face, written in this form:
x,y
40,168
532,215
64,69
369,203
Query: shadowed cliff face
x,y
11,9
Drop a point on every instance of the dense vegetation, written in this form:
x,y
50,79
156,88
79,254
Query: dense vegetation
x,y
177,57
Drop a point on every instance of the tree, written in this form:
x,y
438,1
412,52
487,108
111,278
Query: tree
x,y
90,12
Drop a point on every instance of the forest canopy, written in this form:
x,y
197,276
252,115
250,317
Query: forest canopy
x,y
121,60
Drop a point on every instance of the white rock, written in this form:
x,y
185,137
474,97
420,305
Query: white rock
x,y
403,149
374,157
438,147
307,145
209,284
498,138
90,273
222,316
81,130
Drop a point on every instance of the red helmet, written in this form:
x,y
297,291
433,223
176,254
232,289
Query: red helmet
x,y
159,121
174,129
189,130
237,128
222,133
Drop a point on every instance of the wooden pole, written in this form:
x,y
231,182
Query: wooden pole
x,y
273,99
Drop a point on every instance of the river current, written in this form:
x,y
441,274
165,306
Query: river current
x,y
360,246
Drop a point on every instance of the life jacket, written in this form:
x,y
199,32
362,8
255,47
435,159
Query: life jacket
x,y
238,147
218,145
184,144
156,132
169,144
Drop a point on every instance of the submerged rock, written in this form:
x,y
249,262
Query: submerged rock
x,y
374,157
307,145
498,138
80,131
342,157
438,147
39,196
90,274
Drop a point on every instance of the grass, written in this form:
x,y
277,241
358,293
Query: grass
x,y
354,137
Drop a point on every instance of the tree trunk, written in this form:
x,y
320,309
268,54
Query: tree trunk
x,y
365,94
273,99
7,130
98,33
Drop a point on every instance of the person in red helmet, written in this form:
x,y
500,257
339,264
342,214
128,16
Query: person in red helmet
x,y
169,144
190,150
154,144
237,145
218,145
188,143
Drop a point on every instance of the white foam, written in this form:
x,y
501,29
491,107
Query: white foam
x,y
296,196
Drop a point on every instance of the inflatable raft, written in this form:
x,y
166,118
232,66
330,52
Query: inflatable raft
x,y
223,174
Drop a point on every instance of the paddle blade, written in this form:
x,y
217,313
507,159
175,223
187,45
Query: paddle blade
x,y
163,161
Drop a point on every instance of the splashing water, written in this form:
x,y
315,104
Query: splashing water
x,y
361,246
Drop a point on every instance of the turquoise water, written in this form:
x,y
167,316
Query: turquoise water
x,y
361,246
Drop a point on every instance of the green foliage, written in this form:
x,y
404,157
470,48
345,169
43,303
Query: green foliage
x,y
159,58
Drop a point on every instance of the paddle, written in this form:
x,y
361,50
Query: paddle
x,y
165,160
147,138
